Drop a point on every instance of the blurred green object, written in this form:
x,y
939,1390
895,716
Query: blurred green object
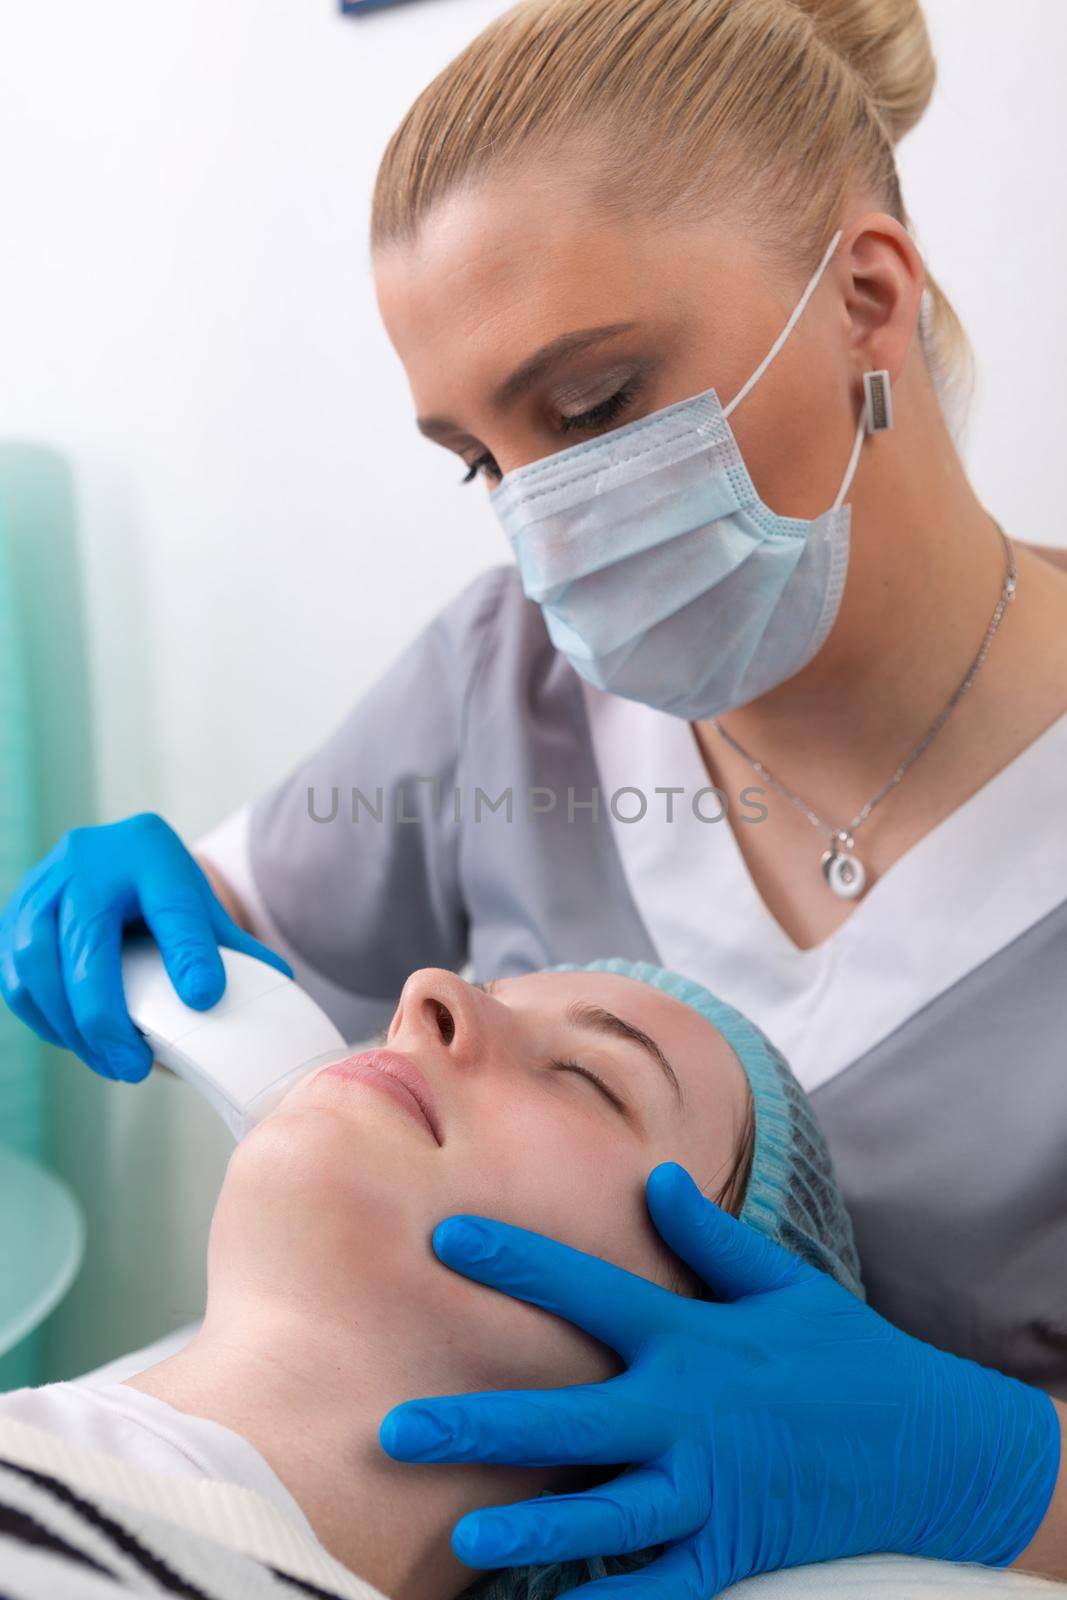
x,y
41,1245
46,785
20,1075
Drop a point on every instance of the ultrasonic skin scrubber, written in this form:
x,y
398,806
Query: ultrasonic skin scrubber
x,y
242,1054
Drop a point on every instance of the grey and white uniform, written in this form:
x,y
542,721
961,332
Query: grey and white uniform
x,y
930,1029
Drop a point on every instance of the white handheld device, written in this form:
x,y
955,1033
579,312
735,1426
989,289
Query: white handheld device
x,y
242,1054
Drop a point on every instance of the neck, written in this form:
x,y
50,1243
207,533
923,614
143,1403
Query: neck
x,y
311,1404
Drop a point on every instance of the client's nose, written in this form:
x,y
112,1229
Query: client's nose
x,y
439,1012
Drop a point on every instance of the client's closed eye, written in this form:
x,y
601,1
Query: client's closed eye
x,y
593,1077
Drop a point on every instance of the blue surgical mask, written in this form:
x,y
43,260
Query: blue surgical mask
x,y
661,574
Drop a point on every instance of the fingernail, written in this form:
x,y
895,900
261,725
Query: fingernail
x,y
199,987
679,1179
413,1431
127,1067
482,1538
459,1236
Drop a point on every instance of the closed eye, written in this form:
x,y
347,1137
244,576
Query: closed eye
x,y
584,1072
598,417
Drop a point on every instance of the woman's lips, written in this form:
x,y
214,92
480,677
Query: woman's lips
x,y
395,1075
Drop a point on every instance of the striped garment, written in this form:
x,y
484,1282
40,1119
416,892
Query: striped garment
x,y
79,1524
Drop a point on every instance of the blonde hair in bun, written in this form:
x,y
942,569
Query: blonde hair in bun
x,y
672,108
887,44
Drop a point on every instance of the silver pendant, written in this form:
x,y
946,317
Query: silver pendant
x,y
843,871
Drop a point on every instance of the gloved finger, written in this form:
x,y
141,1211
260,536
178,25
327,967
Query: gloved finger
x,y
732,1258
649,1506
228,933
681,1573
30,978
616,1307
31,879
22,1006
589,1424
179,920
90,945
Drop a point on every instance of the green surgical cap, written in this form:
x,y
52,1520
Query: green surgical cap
x,y
792,1195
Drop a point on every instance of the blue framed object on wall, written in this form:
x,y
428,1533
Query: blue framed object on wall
x,y
354,8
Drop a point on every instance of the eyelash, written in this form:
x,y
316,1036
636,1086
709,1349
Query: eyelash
x,y
584,1072
606,412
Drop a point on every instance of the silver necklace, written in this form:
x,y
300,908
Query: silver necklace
x,y
841,867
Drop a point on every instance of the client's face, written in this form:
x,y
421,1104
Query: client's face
x,y
544,1101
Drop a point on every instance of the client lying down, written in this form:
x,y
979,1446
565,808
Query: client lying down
x,y
545,1101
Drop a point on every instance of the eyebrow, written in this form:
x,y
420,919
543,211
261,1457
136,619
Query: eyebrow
x,y
534,367
597,1020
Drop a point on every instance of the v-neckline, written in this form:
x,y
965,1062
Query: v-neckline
x,y
674,747
905,868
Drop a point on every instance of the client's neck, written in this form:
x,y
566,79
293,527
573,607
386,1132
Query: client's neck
x,y
311,1404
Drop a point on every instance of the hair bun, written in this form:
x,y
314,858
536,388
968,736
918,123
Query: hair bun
x,y
887,44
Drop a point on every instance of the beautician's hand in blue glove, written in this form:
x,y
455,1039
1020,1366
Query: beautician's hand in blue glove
x,y
786,1424
61,938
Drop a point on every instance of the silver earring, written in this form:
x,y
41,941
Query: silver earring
x,y
879,401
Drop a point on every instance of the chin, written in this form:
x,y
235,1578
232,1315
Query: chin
x,y
311,1192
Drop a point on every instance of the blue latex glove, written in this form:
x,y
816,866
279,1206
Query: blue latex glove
x,y
61,938
788,1423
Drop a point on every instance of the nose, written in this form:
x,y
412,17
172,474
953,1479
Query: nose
x,y
440,1014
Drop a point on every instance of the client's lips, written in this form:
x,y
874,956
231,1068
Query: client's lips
x,y
397,1076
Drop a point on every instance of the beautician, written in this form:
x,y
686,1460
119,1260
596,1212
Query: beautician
x,y
648,268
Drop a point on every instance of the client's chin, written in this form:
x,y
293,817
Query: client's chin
x,y
331,1205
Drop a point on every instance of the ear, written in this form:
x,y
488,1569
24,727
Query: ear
x,y
884,280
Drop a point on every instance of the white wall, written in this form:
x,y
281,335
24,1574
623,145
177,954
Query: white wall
x,y
186,313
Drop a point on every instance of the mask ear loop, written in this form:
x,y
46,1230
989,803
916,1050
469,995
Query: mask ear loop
x,y
861,434
775,350
790,325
